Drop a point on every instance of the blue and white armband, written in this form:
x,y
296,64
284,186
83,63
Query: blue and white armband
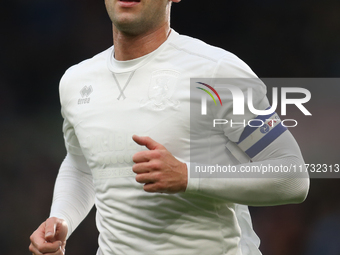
x,y
259,133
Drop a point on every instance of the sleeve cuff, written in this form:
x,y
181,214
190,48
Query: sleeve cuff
x,y
193,183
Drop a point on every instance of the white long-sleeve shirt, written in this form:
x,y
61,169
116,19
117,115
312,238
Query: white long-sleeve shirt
x,y
105,101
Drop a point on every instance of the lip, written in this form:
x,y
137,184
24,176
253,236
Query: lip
x,y
127,4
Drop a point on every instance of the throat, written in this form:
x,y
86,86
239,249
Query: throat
x,y
131,46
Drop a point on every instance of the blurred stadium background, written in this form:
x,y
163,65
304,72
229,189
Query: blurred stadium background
x,y
40,39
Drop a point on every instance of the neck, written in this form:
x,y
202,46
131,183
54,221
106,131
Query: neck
x,y
129,47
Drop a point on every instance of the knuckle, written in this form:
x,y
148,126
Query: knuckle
x,y
157,176
157,154
50,221
38,246
161,186
142,178
147,188
60,251
155,165
155,187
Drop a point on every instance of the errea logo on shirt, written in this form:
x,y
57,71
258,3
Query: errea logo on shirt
x,y
85,94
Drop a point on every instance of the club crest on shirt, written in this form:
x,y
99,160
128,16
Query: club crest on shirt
x,y
161,89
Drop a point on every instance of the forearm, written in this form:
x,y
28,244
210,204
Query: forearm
x,y
74,193
266,189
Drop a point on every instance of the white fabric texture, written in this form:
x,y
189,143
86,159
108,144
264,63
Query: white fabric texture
x,y
105,101
272,189
73,192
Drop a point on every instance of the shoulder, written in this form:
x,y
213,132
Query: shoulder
x,y
83,71
195,47
91,64
230,64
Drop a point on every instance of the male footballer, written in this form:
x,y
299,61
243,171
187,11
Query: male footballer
x,y
127,133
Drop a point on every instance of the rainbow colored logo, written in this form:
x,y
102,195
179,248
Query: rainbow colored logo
x,y
209,93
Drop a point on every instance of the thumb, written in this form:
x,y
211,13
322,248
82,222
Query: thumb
x,y
147,142
50,228
55,229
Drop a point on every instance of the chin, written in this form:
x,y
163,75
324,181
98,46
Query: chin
x,y
131,27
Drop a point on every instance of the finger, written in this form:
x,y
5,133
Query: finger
x,y
145,156
34,250
141,156
39,242
145,178
147,142
38,235
50,228
153,187
61,231
146,167
43,248
55,230
140,168
60,251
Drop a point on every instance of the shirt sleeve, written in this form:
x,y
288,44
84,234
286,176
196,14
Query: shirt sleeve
x,y
264,143
74,193
70,138
270,189
234,80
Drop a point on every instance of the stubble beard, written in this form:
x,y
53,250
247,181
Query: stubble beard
x,y
141,24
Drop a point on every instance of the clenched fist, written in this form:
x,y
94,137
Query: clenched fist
x,y
158,169
49,238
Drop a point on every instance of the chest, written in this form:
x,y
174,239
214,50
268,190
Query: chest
x,y
109,109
